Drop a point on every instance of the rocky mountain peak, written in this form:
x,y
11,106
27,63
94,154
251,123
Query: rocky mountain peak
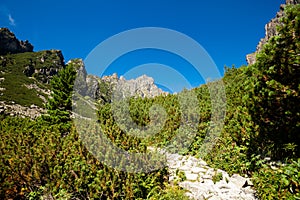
x,y
102,88
10,44
142,86
270,30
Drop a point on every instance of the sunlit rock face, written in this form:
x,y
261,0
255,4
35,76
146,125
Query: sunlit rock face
x,y
270,30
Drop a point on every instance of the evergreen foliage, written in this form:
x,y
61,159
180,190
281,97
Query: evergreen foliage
x,y
275,107
37,163
59,105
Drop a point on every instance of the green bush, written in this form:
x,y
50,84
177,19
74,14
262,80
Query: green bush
x,y
274,99
281,183
36,161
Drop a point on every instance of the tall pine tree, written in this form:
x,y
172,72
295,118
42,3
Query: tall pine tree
x,y
59,104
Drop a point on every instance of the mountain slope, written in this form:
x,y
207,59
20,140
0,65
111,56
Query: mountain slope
x,y
25,78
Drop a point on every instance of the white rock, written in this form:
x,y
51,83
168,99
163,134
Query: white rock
x,y
224,186
202,163
206,176
191,176
198,170
238,180
211,172
199,184
207,196
215,198
184,168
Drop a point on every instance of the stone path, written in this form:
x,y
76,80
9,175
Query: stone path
x,y
203,182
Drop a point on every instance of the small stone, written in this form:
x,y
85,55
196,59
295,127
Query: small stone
x,y
198,170
207,196
211,172
238,180
209,182
202,163
249,182
171,178
192,159
267,158
184,168
33,106
191,176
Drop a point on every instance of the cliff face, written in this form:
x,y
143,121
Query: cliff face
x,y
270,30
142,86
103,88
10,44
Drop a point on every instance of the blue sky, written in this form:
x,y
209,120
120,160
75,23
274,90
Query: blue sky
x,y
227,30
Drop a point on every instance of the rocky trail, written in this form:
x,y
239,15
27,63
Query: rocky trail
x,y
203,182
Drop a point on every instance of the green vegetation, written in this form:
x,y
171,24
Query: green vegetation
x,y
263,115
180,175
282,183
275,95
59,105
262,120
36,161
170,193
218,176
19,71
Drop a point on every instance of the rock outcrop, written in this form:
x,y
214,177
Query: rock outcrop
x,y
203,182
10,44
14,109
45,65
270,30
86,85
103,88
80,82
142,86
25,75
36,69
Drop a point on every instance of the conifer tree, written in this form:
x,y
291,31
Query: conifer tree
x,y
59,105
275,100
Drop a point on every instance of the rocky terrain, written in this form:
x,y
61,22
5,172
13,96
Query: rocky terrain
x,y
203,182
270,30
102,88
13,109
10,44
25,78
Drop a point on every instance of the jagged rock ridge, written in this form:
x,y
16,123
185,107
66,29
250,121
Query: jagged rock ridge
x,y
10,44
103,88
142,86
270,30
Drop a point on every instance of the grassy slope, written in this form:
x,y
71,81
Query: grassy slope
x,y
12,67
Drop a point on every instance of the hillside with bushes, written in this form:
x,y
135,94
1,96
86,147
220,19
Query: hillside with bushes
x,y
45,156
